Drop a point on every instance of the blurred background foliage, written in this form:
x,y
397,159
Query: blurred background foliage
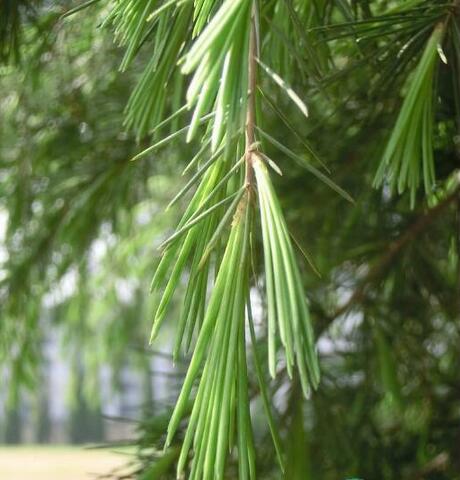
x,y
80,226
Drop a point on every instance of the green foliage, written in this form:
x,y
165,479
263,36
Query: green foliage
x,y
234,79
72,209
12,17
411,138
286,302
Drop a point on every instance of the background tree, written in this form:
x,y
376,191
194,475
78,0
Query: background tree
x,y
381,83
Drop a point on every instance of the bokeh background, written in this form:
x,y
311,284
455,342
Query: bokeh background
x,y
79,229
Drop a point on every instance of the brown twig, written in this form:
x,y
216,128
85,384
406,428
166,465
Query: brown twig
x,y
420,225
251,111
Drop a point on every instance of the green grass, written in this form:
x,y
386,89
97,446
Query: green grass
x,y
57,462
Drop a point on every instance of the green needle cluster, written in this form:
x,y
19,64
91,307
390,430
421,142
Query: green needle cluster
x,y
220,70
197,234
287,307
211,241
135,22
221,405
408,157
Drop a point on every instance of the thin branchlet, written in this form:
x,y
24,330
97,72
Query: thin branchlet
x,y
251,109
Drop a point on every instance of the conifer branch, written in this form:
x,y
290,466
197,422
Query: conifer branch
x,y
422,223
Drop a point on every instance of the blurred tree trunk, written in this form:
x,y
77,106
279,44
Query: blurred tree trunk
x,y
13,428
86,422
